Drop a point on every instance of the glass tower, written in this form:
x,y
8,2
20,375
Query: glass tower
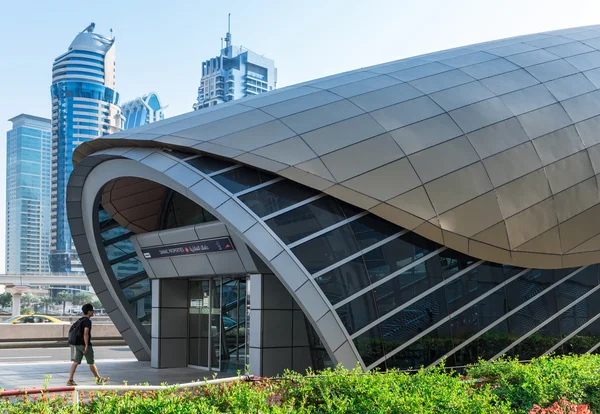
x,y
236,73
28,195
143,110
84,107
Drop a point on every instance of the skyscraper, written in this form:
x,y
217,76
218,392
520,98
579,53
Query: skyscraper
x,y
84,107
237,72
143,110
28,194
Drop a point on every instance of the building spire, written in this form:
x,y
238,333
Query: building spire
x,y
228,35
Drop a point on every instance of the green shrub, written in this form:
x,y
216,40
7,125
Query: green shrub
x,y
543,381
507,386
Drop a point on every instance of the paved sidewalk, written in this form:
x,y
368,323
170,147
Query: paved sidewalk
x,y
28,375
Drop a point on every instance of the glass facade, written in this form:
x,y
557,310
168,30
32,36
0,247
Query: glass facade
x,y
406,301
142,111
236,73
84,107
28,195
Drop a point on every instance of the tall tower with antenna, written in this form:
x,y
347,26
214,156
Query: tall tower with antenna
x,y
234,74
228,35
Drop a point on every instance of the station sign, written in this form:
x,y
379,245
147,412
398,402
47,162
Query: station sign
x,y
223,244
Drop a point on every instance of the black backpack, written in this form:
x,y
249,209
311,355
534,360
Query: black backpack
x,y
75,334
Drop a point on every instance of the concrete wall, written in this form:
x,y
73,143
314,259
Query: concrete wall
x,y
69,318
169,323
46,331
278,331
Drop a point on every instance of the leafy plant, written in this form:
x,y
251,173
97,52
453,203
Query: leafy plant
x,y
81,298
543,381
62,298
561,407
564,384
5,300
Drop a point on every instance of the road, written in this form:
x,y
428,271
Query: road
x,y
53,355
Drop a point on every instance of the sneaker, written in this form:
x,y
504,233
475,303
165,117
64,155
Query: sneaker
x,y
102,380
71,383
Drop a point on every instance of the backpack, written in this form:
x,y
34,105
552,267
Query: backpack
x,y
75,334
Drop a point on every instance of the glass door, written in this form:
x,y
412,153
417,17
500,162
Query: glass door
x,y
217,324
234,315
199,322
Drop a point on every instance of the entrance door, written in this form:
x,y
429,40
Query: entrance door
x,y
217,324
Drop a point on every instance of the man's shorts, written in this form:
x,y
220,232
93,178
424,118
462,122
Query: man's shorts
x,y
77,354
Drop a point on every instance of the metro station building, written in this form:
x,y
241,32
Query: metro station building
x,y
444,205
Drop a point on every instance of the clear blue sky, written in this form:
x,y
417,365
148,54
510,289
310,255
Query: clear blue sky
x,y
160,44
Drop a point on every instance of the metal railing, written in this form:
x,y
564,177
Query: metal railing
x,y
77,390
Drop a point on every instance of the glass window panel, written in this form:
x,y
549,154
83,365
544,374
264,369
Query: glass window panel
x,y
113,252
418,279
242,179
179,154
532,315
125,245
573,319
139,288
397,291
344,280
127,268
348,209
475,282
547,306
413,320
576,286
142,308
327,249
473,320
424,351
209,165
397,254
490,309
103,216
527,319
358,313
147,323
370,229
307,219
187,212
29,167
276,197
114,232
369,345
532,283
585,339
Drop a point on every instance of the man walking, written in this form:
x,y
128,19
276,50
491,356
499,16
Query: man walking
x,y
81,346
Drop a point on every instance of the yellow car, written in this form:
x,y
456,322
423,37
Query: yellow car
x,y
33,319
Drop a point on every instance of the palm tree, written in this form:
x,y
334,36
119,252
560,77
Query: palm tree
x,y
46,301
81,298
63,297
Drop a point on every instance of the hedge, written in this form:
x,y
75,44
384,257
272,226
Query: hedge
x,y
503,386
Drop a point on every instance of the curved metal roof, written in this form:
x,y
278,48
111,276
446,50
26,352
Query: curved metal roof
x,y
92,42
489,149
